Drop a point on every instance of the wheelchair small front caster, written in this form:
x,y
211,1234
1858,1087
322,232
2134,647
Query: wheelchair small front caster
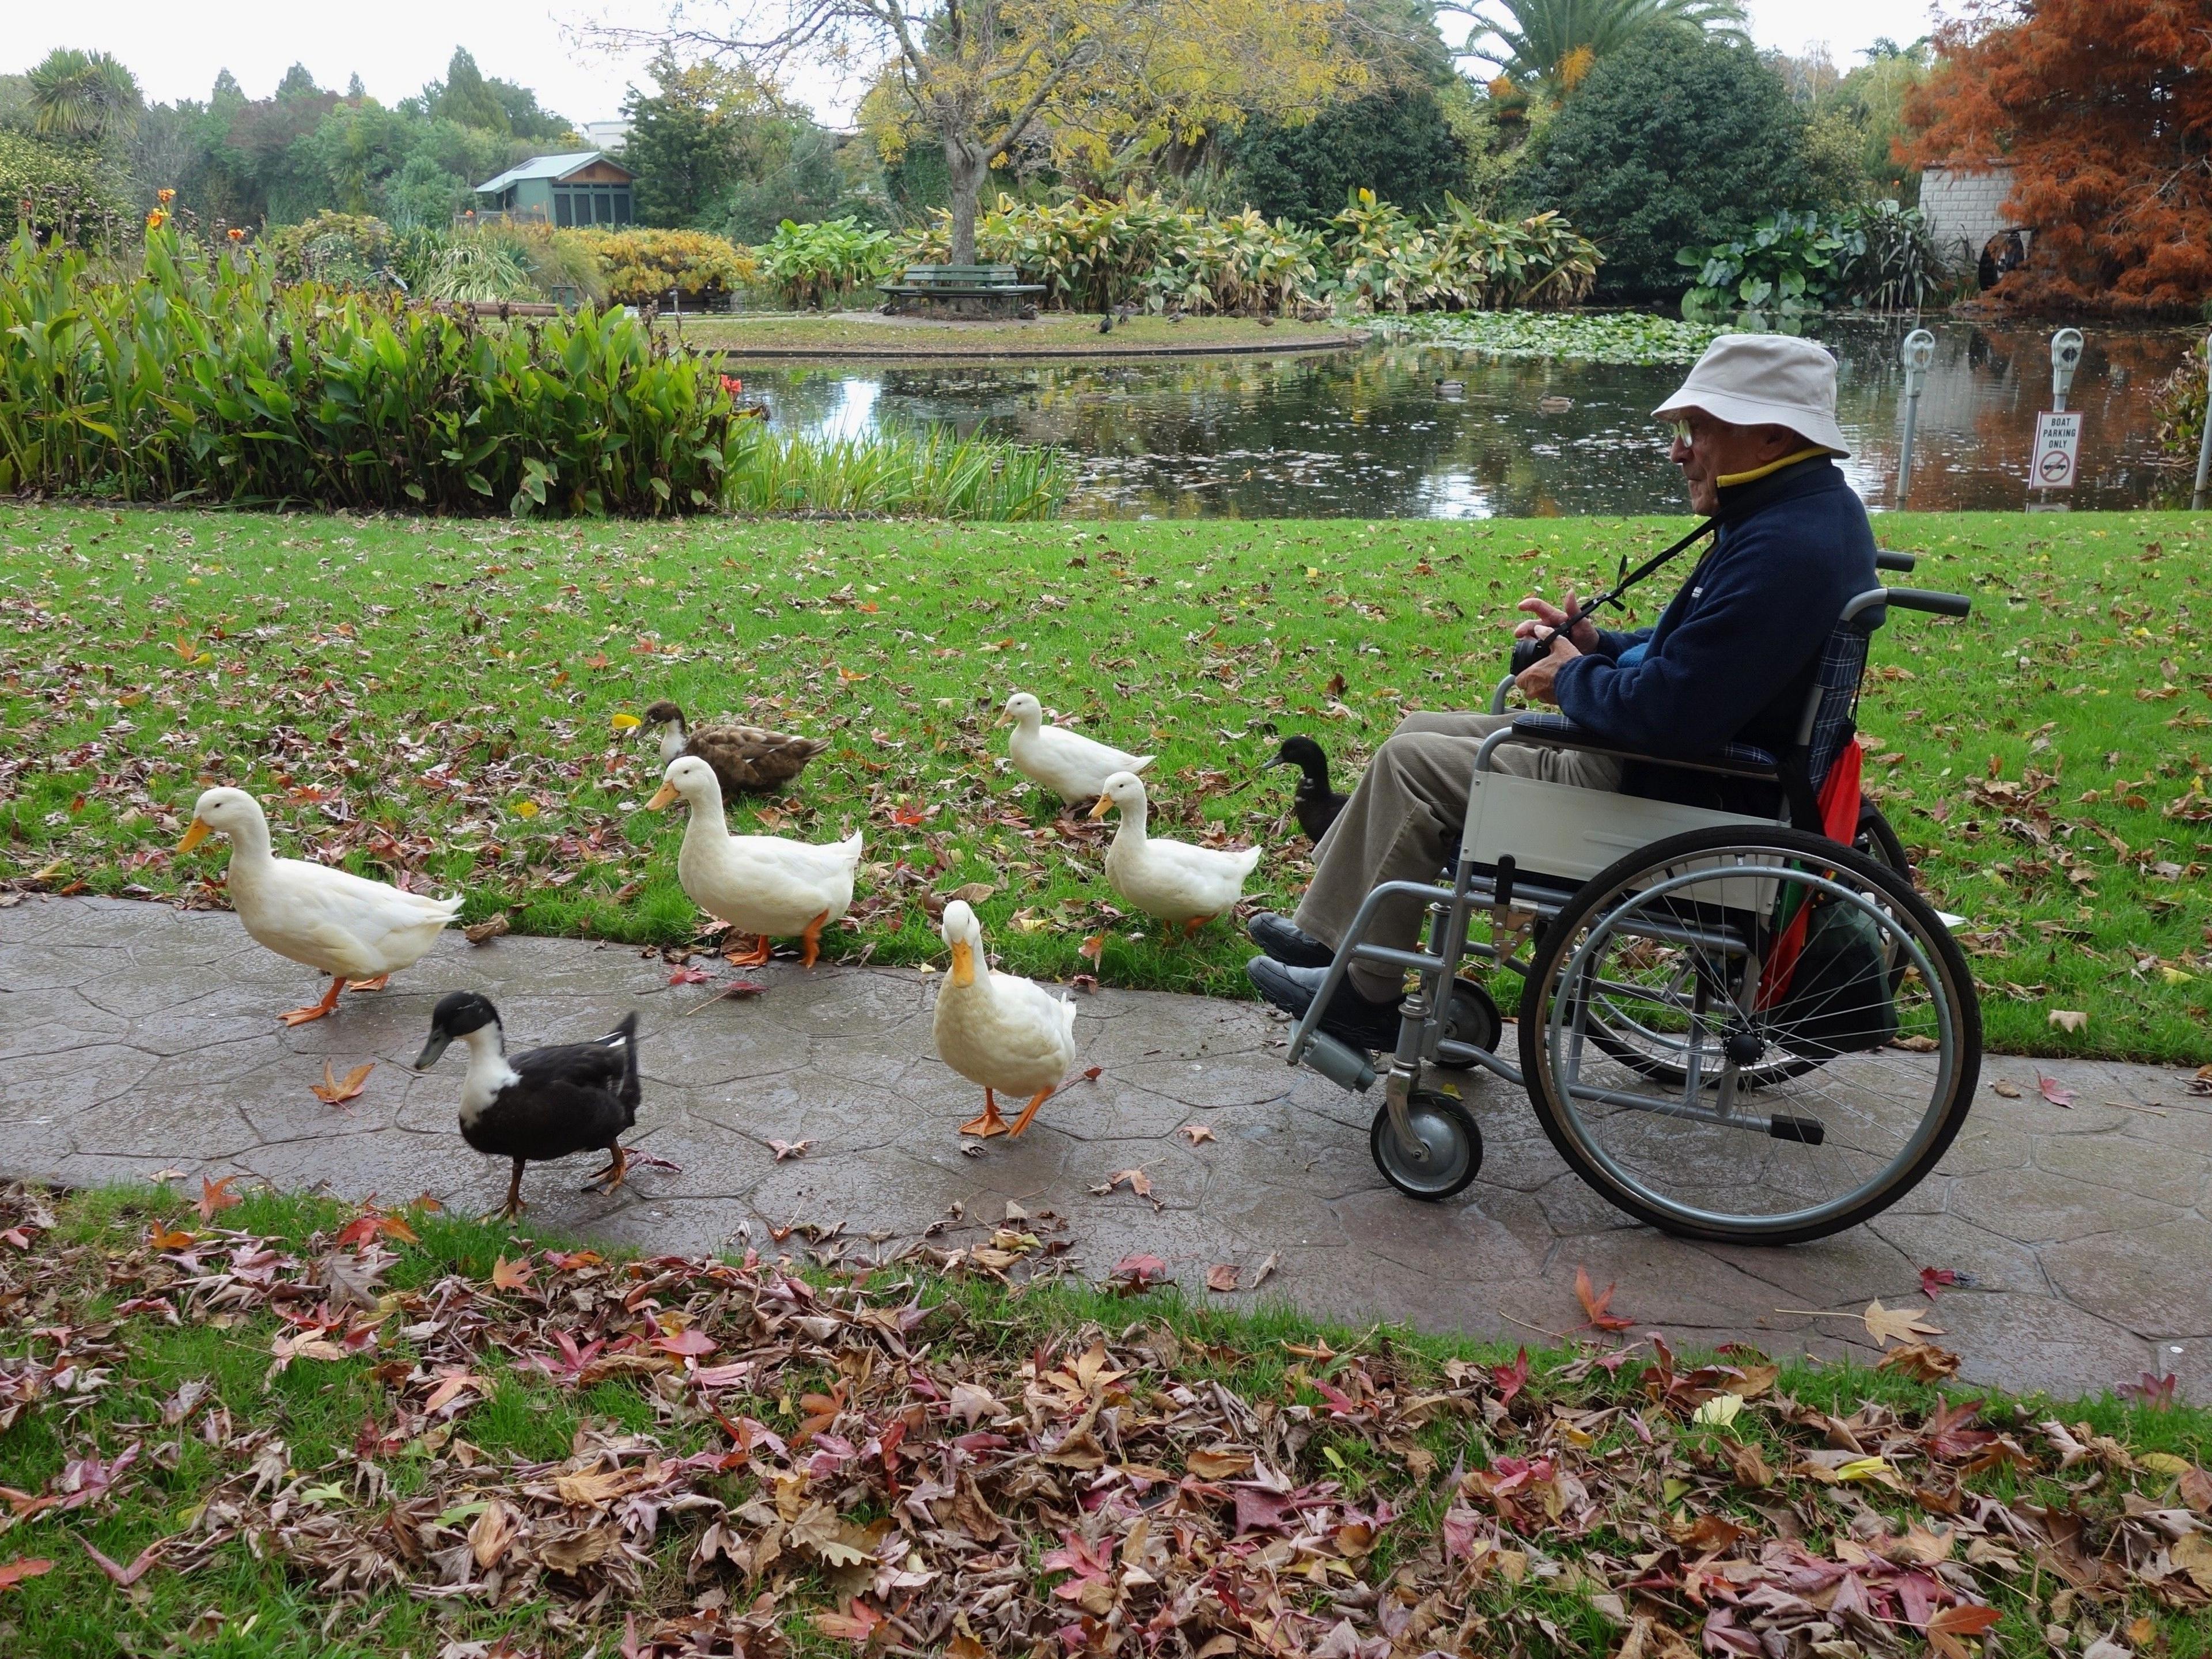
x,y
1471,1016
1454,1146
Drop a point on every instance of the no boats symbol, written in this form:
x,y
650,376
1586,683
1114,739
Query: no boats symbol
x,y
2058,449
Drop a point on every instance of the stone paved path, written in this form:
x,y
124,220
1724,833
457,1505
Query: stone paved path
x,y
135,1038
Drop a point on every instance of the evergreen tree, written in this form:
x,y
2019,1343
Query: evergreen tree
x,y
1676,139
466,97
1395,142
705,129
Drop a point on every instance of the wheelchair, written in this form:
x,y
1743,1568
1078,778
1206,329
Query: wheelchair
x,y
1732,1028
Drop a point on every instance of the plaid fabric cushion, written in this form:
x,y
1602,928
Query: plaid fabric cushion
x,y
1842,663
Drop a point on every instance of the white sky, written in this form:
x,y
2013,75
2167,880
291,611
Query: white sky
x,y
396,45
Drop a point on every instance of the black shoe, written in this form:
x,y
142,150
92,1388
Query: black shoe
x,y
1283,940
1350,1017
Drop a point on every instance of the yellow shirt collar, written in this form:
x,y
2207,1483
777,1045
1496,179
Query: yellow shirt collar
x,y
1728,481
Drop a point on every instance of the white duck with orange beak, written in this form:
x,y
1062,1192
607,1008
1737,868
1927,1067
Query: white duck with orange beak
x,y
765,885
1173,880
998,1029
356,930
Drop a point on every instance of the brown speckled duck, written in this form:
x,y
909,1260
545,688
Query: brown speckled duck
x,y
746,759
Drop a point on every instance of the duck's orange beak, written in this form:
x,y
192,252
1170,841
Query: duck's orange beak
x,y
664,796
194,835
963,964
1105,804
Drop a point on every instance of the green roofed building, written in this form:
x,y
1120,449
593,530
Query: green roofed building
x,y
587,188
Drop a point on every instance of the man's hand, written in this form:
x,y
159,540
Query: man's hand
x,y
1549,617
1536,681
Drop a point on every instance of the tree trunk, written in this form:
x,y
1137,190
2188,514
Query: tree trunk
x,y
965,168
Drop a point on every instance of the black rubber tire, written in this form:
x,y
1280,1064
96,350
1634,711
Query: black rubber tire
x,y
1879,842
1472,1016
1948,960
1454,1144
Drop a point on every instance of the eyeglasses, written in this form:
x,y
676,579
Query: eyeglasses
x,y
1682,434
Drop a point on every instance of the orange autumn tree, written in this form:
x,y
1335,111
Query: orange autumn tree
x,y
2105,108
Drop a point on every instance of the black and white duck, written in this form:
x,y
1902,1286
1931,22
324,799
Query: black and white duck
x,y
545,1104
1316,804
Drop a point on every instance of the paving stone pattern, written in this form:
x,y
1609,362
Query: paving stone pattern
x,y
136,1038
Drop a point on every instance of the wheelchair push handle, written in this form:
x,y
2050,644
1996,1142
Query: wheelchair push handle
x,y
1885,560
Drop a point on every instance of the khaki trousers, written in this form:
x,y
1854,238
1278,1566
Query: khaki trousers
x,y
1403,821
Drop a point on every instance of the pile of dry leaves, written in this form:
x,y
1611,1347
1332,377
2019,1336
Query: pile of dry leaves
x,y
873,1460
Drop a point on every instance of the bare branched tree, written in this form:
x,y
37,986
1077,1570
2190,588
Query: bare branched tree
x,y
984,78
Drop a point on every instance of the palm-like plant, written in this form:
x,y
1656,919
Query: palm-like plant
x,y
1556,41
86,96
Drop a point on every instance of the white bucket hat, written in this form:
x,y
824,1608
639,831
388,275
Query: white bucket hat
x,y
1764,379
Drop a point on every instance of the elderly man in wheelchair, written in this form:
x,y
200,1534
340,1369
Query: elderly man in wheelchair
x,y
1737,1020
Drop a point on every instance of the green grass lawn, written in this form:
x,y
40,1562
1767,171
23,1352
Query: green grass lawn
x,y
1075,333
439,697
295,1428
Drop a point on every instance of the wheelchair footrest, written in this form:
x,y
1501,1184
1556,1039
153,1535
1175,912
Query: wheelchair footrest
x,y
1342,1065
1807,1131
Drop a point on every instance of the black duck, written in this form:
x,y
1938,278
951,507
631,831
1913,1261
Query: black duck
x,y
545,1104
1316,804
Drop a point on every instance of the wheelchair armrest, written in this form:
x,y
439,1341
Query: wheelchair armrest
x,y
1497,697
1735,760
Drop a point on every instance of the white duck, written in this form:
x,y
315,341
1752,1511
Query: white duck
x,y
764,885
1074,767
359,931
1170,879
998,1029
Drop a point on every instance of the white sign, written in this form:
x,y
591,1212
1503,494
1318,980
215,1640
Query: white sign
x,y
2058,450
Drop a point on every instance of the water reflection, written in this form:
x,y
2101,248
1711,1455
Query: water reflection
x,y
1400,432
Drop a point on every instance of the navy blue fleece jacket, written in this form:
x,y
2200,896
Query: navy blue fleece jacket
x,y
1733,655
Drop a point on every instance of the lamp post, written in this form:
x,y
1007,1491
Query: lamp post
x,y
1918,352
2204,449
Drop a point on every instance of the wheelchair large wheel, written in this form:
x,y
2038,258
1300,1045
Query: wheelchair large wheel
x,y
1752,1108
1657,1055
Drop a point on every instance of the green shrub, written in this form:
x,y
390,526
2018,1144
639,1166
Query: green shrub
x,y
1892,263
70,192
1398,142
813,264
1877,257
1790,263
1090,254
339,249
208,380
1674,139
2179,404
473,266
637,265
1459,262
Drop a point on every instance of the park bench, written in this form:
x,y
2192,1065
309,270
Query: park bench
x,y
982,291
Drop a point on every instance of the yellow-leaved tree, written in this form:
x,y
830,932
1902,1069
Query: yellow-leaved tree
x,y
1095,82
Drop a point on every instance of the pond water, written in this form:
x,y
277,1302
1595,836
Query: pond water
x,y
1400,431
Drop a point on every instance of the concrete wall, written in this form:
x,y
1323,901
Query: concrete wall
x,y
1964,210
